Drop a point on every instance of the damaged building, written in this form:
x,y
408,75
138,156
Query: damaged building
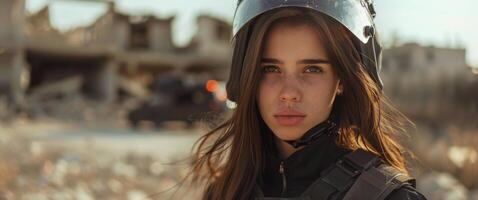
x,y
117,54
427,81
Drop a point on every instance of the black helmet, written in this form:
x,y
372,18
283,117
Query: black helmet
x,y
356,15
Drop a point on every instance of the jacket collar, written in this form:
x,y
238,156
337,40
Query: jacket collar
x,y
302,167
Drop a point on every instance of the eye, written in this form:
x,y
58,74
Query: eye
x,y
313,69
270,69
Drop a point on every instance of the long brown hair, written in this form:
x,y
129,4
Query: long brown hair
x,y
230,158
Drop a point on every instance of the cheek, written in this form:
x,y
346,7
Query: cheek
x,y
264,94
320,93
321,90
326,84
267,97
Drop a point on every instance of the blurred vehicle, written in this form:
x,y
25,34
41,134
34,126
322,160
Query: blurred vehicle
x,y
175,100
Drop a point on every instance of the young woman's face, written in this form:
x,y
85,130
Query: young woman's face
x,y
298,84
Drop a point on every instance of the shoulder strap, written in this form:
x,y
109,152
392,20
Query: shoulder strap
x,y
360,175
377,183
338,178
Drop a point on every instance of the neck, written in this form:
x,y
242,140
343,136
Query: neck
x,y
284,148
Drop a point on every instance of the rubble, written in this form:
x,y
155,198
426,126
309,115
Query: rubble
x,y
442,186
64,87
133,88
50,172
7,112
60,99
474,195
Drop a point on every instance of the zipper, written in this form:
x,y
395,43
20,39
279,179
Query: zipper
x,y
284,182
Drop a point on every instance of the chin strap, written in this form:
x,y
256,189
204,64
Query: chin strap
x,y
327,127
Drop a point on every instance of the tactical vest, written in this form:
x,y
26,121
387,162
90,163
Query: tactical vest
x,y
359,175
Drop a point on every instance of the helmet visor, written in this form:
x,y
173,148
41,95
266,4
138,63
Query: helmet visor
x,y
353,14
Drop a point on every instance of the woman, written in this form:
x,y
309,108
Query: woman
x,y
311,121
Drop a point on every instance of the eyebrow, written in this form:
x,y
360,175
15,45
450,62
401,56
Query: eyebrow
x,y
303,61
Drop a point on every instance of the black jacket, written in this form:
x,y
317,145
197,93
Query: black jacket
x,y
304,166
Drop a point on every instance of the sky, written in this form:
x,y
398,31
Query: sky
x,y
443,23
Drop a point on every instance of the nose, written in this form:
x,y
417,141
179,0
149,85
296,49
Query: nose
x,y
290,91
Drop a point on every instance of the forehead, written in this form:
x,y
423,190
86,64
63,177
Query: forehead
x,y
293,40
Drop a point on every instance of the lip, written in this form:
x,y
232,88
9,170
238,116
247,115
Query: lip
x,y
289,117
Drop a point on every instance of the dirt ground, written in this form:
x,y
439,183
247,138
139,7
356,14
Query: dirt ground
x,y
51,159
54,160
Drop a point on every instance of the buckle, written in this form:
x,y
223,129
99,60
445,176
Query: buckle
x,y
371,9
348,167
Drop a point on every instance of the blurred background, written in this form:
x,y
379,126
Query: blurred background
x,y
104,99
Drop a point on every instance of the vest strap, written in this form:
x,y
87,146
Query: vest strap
x,y
359,175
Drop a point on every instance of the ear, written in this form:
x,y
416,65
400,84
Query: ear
x,y
340,88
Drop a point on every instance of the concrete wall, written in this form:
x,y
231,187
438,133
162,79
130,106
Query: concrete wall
x,y
213,46
12,19
12,55
424,79
160,35
106,42
121,32
103,81
213,37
